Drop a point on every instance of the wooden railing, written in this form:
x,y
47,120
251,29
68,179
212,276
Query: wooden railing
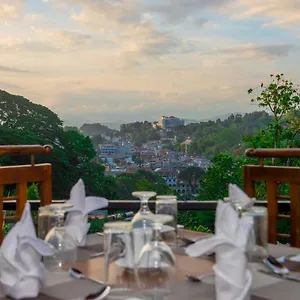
x,y
273,176
21,175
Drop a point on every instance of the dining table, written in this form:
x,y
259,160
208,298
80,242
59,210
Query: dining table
x,y
61,286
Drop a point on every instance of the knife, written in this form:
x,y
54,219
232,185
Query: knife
x,y
283,277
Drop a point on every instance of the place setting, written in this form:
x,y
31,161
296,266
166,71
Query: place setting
x,y
149,257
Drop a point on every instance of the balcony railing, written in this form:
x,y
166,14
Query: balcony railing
x,y
134,205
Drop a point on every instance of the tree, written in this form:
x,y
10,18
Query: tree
x,y
280,97
141,181
224,170
73,157
192,175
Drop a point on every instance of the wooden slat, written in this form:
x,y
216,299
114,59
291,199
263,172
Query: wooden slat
x,y
1,212
27,173
249,184
295,215
260,152
22,198
46,186
25,149
284,235
282,197
11,218
272,211
275,174
12,198
283,217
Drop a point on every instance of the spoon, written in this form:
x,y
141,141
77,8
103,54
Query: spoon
x,y
275,266
100,294
79,275
194,278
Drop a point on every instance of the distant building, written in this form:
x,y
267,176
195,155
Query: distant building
x,y
107,149
169,122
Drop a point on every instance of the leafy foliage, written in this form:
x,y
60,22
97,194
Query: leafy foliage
x,y
281,97
214,137
73,157
140,181
97,129
139,132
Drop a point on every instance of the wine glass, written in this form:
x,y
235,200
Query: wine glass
x,y
141,218
167,205
65,248
156,264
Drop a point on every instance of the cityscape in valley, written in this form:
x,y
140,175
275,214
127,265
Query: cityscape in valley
x,y
121,155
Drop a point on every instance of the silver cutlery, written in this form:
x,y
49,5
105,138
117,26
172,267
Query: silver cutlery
x,y
97,254
102,293
284,277
200,278
75,273
275,266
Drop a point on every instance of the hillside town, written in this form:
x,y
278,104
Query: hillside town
x,y
121,156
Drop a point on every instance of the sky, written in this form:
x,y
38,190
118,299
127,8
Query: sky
x,y
134,60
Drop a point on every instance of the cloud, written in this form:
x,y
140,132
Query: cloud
x,y
177,11
12,70
46,40
255,51
11,9
35,18
275,13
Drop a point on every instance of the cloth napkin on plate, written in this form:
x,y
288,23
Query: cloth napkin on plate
x,y
22,273
233,278
237,195
77,219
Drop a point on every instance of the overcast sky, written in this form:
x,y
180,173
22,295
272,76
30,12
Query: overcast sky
x,y
106,60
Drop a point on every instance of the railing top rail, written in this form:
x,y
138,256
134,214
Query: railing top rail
x,y
134,205
25,149
263,153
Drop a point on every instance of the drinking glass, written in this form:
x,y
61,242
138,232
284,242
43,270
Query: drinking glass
x,y
46,220
141,218
156,264
257,248
65,249
119,259
167,205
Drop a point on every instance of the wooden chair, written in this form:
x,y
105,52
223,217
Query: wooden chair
x,y
23,174
273,176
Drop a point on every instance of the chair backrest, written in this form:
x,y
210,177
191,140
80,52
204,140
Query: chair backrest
x,y
273,176
23,174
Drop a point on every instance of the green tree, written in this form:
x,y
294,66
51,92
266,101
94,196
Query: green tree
x,y
224,170
280,97
141,181
192,175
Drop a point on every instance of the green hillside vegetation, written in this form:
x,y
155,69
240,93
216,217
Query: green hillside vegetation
x,y
73,157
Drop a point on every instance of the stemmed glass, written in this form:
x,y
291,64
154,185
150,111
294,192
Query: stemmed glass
x,y
141,218
65,249
156,264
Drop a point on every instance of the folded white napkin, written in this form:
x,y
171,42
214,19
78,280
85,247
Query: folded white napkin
x,y
237,195
22,273
233,278
77,219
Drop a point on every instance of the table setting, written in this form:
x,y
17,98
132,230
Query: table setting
x,y
149,257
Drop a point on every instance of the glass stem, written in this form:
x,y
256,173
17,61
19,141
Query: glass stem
x,y
144,205
60,219
157,232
